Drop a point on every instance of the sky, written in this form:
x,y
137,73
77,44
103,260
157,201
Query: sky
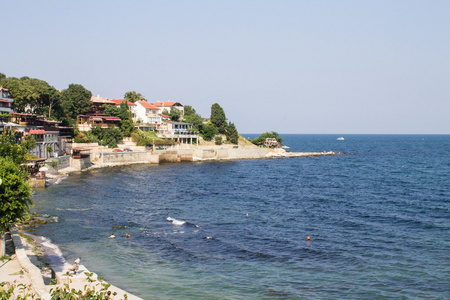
x,y
319,67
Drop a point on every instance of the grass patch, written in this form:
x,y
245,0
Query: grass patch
x,y
5,257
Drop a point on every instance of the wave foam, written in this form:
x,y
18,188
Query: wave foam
x,y
52,252
175,221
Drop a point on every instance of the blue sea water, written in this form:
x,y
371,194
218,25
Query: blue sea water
x,y
378,218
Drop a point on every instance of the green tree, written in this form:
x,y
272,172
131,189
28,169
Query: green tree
x,y
262,138
133,97
175,114
218,140
97,131
111,136
208,132
27,92
123,112
196,121
189,110
218,118
191,116
2,77
9,148
50,100
232,134
76,100
29,142
15,193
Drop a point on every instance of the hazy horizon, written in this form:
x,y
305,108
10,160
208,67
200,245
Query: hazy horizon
x,y
294,67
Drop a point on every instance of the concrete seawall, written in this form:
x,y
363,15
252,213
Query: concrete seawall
x,y
100,158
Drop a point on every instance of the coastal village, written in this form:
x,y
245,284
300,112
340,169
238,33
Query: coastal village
x,y
59,149
109,132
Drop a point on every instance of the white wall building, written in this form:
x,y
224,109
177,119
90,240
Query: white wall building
x,y
169,105
6,101
147,113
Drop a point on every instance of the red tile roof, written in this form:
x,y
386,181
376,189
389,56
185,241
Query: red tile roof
x,y
166,104
119,101
101,100
36,131
147,105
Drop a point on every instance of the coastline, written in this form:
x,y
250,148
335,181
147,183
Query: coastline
x,y
79,281
34,262
180,156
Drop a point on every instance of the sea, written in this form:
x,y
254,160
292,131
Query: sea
x,y
377,217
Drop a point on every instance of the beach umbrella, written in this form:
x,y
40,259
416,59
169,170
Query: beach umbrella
x,y
43,169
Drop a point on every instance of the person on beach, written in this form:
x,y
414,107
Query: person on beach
x,y
112,236
75,266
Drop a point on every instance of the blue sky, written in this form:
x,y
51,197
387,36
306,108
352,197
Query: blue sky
x,y
287,66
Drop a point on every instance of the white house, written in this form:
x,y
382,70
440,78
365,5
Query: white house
x,y
6,101
147,113
169,105
178,131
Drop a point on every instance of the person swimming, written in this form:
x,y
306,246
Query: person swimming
x,y
112,236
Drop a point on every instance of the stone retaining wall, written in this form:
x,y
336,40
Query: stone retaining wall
x,y
125,158
34,273
55,164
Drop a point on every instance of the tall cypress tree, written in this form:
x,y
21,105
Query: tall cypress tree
x,y
232,134
218,118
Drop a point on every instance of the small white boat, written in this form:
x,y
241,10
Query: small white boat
x,y
340,138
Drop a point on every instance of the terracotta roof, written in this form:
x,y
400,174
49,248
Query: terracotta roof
x,y
119,101
5,100
147,105
36,131
166,104
101,100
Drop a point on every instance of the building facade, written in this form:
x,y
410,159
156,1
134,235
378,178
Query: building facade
x,y
148,113
6,101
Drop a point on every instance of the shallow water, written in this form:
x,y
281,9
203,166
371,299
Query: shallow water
x,y
378,218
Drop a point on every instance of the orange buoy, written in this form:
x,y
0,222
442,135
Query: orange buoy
x,y
308,238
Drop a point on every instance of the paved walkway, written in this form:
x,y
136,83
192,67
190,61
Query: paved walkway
x,y
19,270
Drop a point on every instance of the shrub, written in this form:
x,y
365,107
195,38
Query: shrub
x,y
218,140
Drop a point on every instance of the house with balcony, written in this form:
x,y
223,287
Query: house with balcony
x,y
88,121
48,134
169,105
149,114
98,102
96,116
6,101
178,131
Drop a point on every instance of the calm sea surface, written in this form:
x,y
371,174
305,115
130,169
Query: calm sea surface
x,y
378,218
